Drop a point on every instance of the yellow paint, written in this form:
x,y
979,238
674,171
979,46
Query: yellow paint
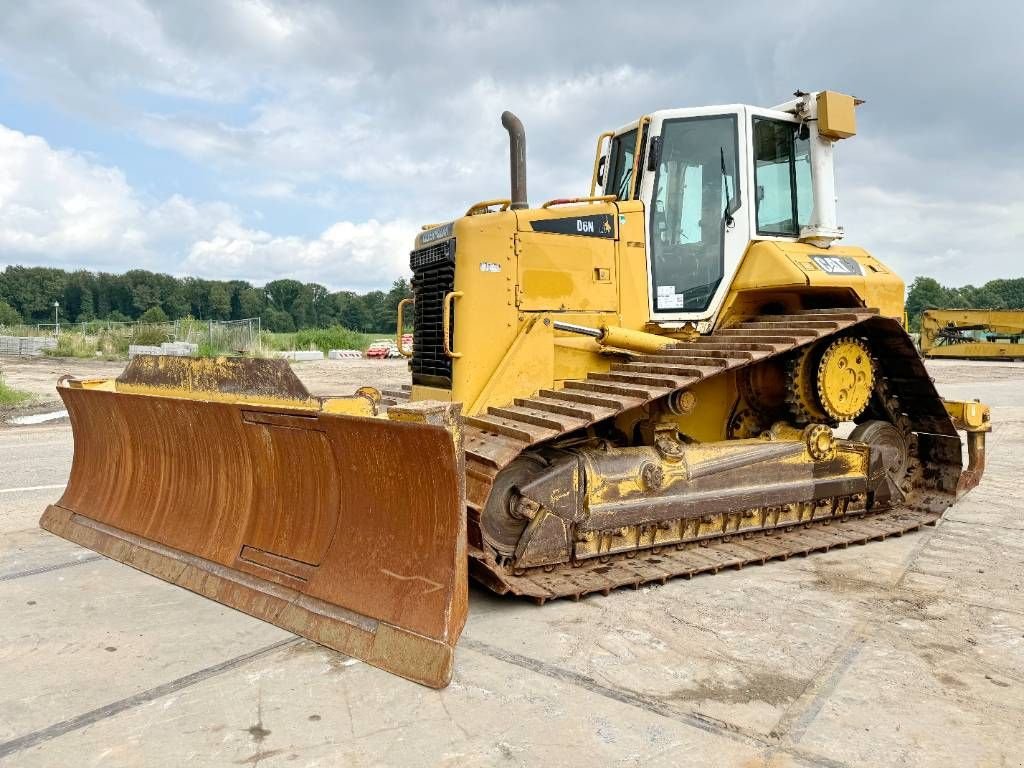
x,y
638,159
715,397
597,158
837,118
573,354
561,272
526,367
969,415
1006,325
560,201
617,337
421,392
105,385
846,379
624,473
781,272
202,370
603,282
359,404
210,396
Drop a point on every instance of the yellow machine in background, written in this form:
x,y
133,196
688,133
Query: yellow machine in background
x,y
991,334
679,372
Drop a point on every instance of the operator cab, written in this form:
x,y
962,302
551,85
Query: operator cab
x,y
712,179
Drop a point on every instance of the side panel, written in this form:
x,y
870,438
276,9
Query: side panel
x,y
485,316
559,271
791,276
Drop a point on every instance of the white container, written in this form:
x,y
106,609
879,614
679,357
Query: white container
x,y
344,354
300,355
179,348
143,349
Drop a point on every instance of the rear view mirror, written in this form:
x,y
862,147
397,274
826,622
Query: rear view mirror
x,y
654,154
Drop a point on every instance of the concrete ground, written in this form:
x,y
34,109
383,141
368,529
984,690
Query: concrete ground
x,y
907,652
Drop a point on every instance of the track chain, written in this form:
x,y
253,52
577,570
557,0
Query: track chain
x,y
905,392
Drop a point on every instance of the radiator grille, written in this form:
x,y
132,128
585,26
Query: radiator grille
x,y
433,276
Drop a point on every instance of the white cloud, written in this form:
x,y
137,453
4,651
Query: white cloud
x,y
363,256
391,112
59,207
955,241
58,202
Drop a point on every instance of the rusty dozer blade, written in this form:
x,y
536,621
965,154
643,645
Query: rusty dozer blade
x,y
347,530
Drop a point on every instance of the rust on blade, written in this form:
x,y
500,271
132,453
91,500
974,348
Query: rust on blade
x,y
260,380
311,521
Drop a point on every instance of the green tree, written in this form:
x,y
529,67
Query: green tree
x,y
220,301
278,320
252,302
153,315
78,303
322,310
8,315
925,293
351,311
32,291
1010,291
292,297
399,290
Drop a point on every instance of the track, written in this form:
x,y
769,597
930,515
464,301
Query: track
x,y
494,440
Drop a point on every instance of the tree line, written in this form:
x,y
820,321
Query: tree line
x,y
27,295
928,293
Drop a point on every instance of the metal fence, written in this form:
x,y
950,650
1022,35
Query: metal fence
x,y
102,337
238,336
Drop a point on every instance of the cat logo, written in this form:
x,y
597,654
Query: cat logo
x,y
606,226
837,265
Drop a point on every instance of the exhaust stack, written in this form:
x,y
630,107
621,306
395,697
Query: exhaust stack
x,y
517,158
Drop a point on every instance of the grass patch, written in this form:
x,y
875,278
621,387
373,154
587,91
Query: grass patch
x,y
323,339
9,396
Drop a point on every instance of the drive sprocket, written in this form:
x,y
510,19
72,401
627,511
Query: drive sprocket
x,y
845,379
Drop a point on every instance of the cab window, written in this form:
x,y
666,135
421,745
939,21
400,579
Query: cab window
x,y
695,195
620,166
782,178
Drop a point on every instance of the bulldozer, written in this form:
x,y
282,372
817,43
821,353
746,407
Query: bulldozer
x,y
680,372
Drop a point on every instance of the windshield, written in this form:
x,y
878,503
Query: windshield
x,y
695,193
782,176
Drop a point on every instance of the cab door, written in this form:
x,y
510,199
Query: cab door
x,y
694,192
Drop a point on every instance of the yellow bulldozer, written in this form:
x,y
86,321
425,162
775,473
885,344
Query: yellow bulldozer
x,y
973,334
681,372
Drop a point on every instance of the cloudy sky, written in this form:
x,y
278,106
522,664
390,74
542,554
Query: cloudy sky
x,y
260,139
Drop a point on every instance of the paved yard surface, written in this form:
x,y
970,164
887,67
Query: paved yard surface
x,y
908,652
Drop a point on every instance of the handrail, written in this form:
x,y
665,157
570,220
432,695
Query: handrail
x,y
635,181
483,205
597,159
446,321
399,332
577,200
